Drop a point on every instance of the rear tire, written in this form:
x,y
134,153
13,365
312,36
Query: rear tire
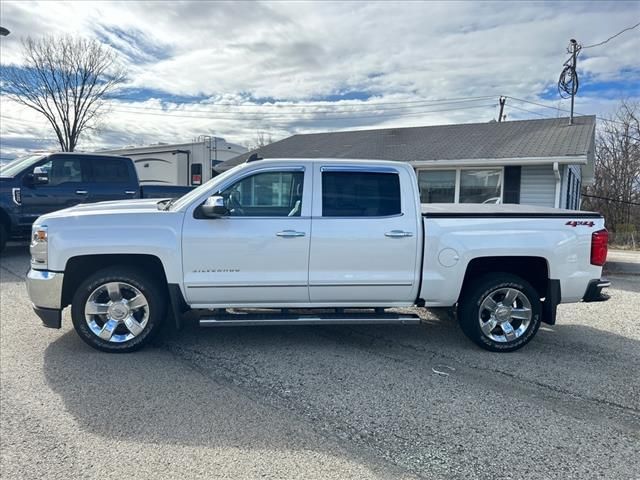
x,y
118,309
500,312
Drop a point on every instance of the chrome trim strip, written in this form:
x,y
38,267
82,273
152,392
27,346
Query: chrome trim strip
x,y
299,286
357,218
244,286
358,168
360,284
266,218
231,181
310,320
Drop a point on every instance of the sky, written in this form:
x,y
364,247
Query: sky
x,y
233,69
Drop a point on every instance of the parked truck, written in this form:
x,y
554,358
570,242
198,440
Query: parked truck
x,y
39,184
303,241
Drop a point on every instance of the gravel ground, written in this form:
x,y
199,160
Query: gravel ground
x,y
322,402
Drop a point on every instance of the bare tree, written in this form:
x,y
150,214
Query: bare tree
x,y
261,139
67,80
616,189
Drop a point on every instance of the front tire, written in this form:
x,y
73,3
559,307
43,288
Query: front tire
x,y
118,309
500,312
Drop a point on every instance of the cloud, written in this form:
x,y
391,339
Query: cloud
x,y
261,61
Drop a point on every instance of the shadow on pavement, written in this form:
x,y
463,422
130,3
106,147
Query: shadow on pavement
x,y
233,377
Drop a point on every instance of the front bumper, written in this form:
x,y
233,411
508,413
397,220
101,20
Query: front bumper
x,y
594,291
45,292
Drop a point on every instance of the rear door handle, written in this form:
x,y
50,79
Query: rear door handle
x,y
81,192
290,233
130,192
398,234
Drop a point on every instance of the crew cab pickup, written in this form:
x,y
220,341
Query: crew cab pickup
x,y
39,184
303,241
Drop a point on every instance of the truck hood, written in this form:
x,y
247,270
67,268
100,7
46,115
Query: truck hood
x,y
116,205
139,206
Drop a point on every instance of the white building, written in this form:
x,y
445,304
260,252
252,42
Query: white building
x,y
179,164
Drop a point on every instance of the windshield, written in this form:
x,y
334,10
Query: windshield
x,y
195,193
18,165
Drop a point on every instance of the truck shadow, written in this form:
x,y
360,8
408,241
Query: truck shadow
x,y
228,386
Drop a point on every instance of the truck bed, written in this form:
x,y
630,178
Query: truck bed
x,y
471,210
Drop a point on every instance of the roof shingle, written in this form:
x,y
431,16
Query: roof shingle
x,y
538,138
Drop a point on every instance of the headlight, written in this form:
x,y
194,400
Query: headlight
x,y
39,246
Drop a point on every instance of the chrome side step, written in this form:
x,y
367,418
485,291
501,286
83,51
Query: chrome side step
x,y
254,319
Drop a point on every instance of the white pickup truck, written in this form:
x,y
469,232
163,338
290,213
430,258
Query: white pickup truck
x,y
303,241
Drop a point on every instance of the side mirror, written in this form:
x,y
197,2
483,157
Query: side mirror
x,y
40,176
213,207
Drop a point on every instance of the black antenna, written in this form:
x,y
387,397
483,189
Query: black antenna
x,y
253,157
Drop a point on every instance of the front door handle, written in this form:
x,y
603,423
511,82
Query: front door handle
x,y
398,234
290,233
81,192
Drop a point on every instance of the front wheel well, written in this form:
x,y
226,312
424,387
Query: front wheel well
x,y
535,270
80,267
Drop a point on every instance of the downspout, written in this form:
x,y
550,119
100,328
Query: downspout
x,y
556,172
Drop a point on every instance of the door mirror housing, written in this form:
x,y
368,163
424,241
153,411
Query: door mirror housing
x,y
40,176
214,207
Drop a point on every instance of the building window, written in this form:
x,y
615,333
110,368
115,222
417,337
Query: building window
x,y
480,186
462,185
437,186
573,191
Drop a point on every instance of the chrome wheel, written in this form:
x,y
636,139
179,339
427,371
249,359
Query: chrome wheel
x,y
505,314
116,312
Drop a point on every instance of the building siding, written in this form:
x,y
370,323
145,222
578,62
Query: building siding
x,y
538,186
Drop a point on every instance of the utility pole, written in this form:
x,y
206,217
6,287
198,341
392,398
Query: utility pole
x,y
573,46
502,101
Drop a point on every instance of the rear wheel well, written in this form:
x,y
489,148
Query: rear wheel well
x,y
535,270
79,268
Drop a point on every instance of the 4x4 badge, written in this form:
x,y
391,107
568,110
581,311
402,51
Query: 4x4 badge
x,y
575,223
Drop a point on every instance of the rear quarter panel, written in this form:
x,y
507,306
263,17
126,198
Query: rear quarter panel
x,y
451,243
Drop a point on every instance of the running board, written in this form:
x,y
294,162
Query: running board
x,y
249,319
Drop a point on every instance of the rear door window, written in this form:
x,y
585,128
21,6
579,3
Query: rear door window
x,y
360,194
110,170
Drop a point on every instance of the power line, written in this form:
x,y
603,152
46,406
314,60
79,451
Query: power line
x,y
332,109
282,118
611,199
329,103
613,36
529,111
560,109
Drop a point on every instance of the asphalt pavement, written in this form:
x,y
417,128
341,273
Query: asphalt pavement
x,y
341,402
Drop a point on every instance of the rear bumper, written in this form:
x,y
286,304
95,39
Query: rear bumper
x,y
45,292
594,291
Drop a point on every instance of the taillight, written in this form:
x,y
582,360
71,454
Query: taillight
x,y
599,242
